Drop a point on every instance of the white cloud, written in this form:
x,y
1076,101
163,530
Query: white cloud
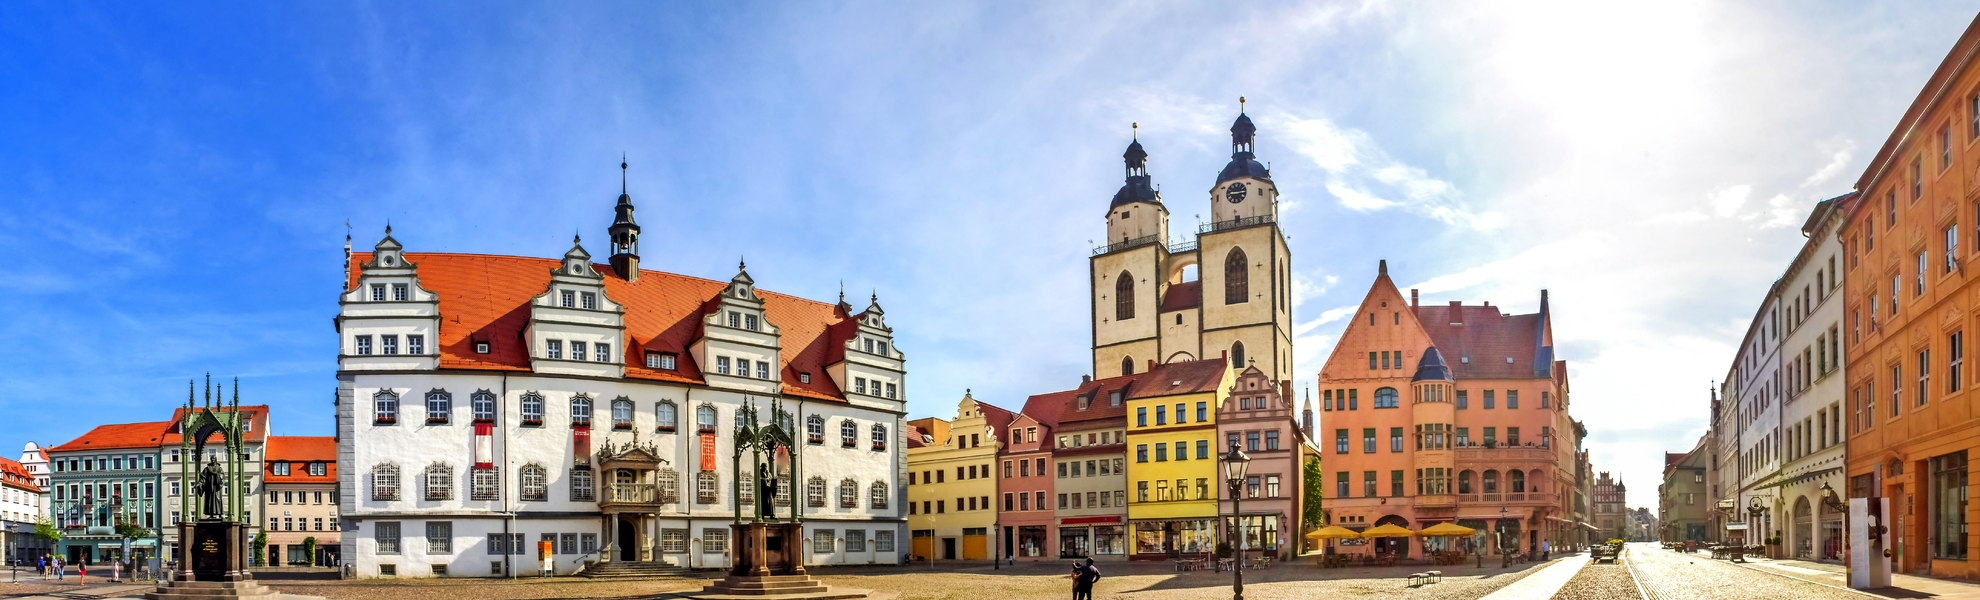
x,y
1364,178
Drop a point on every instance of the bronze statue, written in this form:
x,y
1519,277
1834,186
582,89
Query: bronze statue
x,y
212,489
766,485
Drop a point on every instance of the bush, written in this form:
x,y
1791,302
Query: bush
x,y
1223,550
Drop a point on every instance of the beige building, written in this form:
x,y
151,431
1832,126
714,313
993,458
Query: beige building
x,y
951,486
1146,312
300,499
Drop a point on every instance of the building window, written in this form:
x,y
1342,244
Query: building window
x,y
1955,367
879,433
387,533
1237,277
1924,374
377,292
707,485
386,404
416,345
1386,398
1368,440
1272,440
532,409
484,484
384,482
1123,296
1948,506
1237,355
602,352
588,300
1340,441
577,350
848,493
673,541
439,482
1488,400
583,485
439,537
1395,439
622,413
363,345
664,413
483,404
814,492
553,349
814,429
390,343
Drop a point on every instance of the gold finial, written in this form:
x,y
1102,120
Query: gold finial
x,y
1137,130
1240,105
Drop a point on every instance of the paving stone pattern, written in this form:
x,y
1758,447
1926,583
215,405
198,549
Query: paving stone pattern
x,y
1600,582
1669,575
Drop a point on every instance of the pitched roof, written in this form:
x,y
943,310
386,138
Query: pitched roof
x,y
487,298
121,435
13,474
1046,408
1485,338
300,451
915,437
257,424
1163,380
1183,296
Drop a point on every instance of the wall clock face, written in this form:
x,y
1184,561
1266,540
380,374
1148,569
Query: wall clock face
x,y
1234,193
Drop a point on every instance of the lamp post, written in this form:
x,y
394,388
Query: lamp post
x,y
1235,464
1505,560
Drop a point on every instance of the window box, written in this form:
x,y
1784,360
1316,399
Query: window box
x,y
622,427
532,422
816,439
879,447
385,420
436,420
664,429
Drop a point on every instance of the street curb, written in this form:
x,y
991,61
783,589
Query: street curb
x,y
1640,590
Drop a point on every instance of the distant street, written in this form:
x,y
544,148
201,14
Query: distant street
x,y
1668,575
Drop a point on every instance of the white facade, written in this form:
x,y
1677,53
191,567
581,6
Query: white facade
x,y
1812,414
1760,393
405,417
34,458
22,504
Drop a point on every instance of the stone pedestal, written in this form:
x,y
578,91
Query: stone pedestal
x,y
213,563
769,562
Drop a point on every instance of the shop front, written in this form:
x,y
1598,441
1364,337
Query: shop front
x,y
1158,539
1031,541
1099,538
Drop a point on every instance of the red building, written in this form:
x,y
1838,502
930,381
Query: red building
x,y
1024,480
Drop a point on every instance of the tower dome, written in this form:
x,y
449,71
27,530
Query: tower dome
x,y
1432,367
1137,188
1243,162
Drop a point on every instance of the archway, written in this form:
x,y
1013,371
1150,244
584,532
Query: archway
x,y
1398,547
1179,357
1804,529
628,547
1831,532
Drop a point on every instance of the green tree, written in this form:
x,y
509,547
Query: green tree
x,y
309,549
261,548
46,530
1311,516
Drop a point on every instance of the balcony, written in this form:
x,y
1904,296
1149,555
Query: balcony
x,y
636,493
1502,454
1233,224
1436,500
1181,247
1146,240
1516,498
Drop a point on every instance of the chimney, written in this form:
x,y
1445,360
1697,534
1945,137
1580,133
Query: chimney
x,y
1457,313
1085,379
1412,297
1151,364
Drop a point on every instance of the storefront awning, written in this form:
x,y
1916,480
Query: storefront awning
x,y
1090,520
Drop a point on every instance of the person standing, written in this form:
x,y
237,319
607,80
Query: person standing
x,y
60,572
1084,576
1545,548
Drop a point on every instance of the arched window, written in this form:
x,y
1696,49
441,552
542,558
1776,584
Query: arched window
x,y
667,485
439,482
1518,481
663,413
814,429
483,404
532,409
1124,297
704,418
1127,365
1237,355
848,493
581,410
879,437
877,495
385,482
1491,482
386,404
535,483
1385,398
582,485
439,406
848,433
622,413
814,492
1464,481
1533,481
1237,278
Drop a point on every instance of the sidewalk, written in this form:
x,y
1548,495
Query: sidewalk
x,y
1902,586
1545,582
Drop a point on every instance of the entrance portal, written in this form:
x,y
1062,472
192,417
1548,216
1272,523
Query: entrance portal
x,y
948,548
627,541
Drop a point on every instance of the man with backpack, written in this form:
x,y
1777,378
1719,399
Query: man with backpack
x,y
1084,576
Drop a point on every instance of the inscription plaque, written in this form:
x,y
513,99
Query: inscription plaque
x,y
209,551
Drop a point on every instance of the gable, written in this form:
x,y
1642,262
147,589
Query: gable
x,y
1384,322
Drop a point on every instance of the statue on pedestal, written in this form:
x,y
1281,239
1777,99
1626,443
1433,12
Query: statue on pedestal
x,y
212,490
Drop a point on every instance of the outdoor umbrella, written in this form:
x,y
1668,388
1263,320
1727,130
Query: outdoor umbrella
x,y
1332,532
1446,530
1386,531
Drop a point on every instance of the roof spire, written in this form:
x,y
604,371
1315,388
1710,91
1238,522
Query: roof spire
x,y
1382,267
1136,133
1240,105
622,173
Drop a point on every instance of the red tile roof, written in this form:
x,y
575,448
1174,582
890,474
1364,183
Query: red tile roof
x,y
1183,296
486,298
1046,408
257,424
299,451
122,435
1163,380
1478,348
12,473
915,437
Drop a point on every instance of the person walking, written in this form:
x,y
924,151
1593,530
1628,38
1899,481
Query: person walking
x,y
1545,548
41,566
60,572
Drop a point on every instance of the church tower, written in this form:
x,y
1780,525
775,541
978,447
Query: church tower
x,y
625,233
1238,307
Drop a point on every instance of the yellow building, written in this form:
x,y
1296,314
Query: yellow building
x,y
950,482
1172,470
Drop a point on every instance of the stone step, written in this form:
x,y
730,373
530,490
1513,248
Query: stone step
x,y
810,589
765,585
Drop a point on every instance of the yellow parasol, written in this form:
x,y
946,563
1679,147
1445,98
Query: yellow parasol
x,y
1447,529
1385,531
1333,532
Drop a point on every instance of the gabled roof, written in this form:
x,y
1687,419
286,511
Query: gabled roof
x,y
1183,296
1478,347
1046,408
1169,379
12,474
487,298
257,424
119,436
994,417
915,437
299,451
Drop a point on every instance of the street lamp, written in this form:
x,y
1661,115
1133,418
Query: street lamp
x,y
1235,464
1505,560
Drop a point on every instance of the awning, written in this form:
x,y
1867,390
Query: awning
x,y
1086,520
1735,527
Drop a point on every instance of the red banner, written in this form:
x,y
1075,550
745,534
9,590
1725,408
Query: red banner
x,y
484,445
581,444
708,452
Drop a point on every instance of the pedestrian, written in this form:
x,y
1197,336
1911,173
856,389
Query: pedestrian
x,y
1545,548
1084,576
61,572
41,566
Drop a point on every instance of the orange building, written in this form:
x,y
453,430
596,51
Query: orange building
x,y
1438,414
1910,297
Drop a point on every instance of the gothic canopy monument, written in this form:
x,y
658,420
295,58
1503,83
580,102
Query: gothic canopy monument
x,y
212,555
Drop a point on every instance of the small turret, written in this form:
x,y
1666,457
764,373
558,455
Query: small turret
x,y
625,233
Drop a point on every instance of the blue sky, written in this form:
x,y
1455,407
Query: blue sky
x,y
175,179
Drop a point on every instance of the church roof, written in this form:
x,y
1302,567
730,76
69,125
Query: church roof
x,y
486,298
1181,296
1137,189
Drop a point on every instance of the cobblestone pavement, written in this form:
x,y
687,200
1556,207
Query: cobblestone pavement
x,y
1669,575
1137,581
1600,582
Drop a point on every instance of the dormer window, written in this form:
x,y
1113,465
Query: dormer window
x,y
481,347
590,300
569,299
378,292
279,468
749,322
1083,401
399,292
1114,398
804,378
657,360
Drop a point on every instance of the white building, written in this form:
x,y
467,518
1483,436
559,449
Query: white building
x,y
22,503
1811,415
488,403
35,460
1757,385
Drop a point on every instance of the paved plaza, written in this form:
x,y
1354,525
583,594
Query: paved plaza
x,y
1646,572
